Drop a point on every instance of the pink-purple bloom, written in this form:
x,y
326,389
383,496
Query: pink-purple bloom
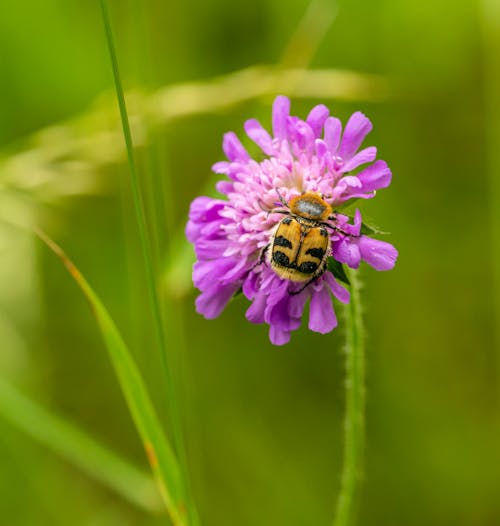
x,y
229,234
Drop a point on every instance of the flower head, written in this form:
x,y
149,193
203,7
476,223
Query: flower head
x,y
235,238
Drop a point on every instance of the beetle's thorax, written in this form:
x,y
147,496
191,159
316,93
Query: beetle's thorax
x,y
310,207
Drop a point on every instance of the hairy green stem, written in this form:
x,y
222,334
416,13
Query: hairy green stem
x,y
151,280
355,407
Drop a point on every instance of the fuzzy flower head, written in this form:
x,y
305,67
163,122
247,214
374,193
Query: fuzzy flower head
x,y
276,236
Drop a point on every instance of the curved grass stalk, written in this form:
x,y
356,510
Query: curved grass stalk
x,y
355,407
81,147
159,453
78,448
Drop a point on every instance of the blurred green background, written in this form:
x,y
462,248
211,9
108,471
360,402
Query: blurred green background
x,y
263,424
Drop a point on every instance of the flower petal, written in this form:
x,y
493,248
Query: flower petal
x,y
304,137
232,147
317,117
337,289
333,129
210,303
224,187
357,128
364,156
259,136
379,254
281,111
322,317
203,216
255,313
346,251
376,176
278,336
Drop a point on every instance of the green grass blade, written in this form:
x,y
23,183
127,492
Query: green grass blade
x,y
355,406
78,448
158,450
490,25
151,280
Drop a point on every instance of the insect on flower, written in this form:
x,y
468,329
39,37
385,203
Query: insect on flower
x,y
313,166
300,245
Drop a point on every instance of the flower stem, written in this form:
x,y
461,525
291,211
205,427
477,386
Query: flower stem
x,y
355,406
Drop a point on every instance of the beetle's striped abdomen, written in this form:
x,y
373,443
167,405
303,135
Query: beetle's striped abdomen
x,y
298,250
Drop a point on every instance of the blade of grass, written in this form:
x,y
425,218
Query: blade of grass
x,y
355,406
174,416
490,26
78,448
158,450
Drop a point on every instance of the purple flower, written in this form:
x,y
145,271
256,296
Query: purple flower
x,y
232,236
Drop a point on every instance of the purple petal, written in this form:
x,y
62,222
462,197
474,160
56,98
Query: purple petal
x,y
317,117
205,271
281,110
355,131
259,136
203,212
278,314
304,137
210,248
224,187
376,176
255,313
379,254
337,289
251,285
222,167
321,148
240,268
364,156
201,273
199,205
297,304
211,302
278,336
346,251
233,148
333,129
352,181
322,317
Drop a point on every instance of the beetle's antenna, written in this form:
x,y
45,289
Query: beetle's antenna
x,y
259,202
281,198
273,210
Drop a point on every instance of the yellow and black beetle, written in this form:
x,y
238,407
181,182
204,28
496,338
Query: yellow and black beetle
x,y
300,245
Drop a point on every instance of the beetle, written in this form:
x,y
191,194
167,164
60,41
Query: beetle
x,y
300,246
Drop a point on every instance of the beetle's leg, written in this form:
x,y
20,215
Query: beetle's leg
x,y
337,229
333,217
262,258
